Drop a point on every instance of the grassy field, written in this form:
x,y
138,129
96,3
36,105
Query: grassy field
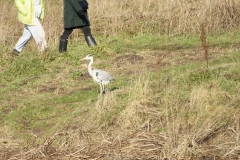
x,y
172,98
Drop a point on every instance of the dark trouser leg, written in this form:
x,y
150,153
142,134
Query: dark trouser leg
x,y
88,36
64,40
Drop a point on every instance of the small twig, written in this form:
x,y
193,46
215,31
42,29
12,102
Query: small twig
x,y
146,145
42,154
79,156
204,44
231,151
79,150
154,149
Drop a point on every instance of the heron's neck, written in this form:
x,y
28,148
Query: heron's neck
x,y
90,66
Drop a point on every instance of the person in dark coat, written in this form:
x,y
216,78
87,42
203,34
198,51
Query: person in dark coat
x,y
75,16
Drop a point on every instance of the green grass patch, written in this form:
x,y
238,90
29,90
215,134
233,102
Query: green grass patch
x,y
43,93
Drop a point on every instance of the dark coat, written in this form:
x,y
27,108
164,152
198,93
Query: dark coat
x,y
71,17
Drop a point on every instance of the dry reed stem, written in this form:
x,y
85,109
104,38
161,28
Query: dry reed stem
x,y
204,44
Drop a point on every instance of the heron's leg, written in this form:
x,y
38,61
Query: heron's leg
x,y
103,88
100,88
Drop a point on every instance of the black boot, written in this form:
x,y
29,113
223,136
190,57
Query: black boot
x,y
90,40
63,45
15,52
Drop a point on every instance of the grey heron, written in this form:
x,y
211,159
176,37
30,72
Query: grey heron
x,y
98,75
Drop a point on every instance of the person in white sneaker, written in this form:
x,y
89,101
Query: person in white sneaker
x,y
29,13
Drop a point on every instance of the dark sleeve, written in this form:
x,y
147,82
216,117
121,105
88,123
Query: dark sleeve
x,y
75,5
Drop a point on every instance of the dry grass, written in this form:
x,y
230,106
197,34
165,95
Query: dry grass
x,y
200,136
154,121
79,145
145,125
133,17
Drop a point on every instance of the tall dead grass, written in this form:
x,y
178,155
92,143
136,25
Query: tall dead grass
x,y
197,128
133,17
162,128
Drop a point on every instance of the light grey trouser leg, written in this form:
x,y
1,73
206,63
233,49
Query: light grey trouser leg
x,y
23,39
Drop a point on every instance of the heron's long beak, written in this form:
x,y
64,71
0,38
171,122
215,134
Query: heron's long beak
x,y
82,59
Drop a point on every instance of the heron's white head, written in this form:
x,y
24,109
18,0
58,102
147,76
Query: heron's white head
x,y
88,57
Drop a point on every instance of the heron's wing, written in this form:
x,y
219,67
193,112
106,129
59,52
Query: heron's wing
x,y
103,75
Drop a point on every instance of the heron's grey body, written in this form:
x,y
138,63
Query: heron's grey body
x,y
98,75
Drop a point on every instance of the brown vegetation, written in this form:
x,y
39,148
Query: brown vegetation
x,y
133,17
140,130
204,44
